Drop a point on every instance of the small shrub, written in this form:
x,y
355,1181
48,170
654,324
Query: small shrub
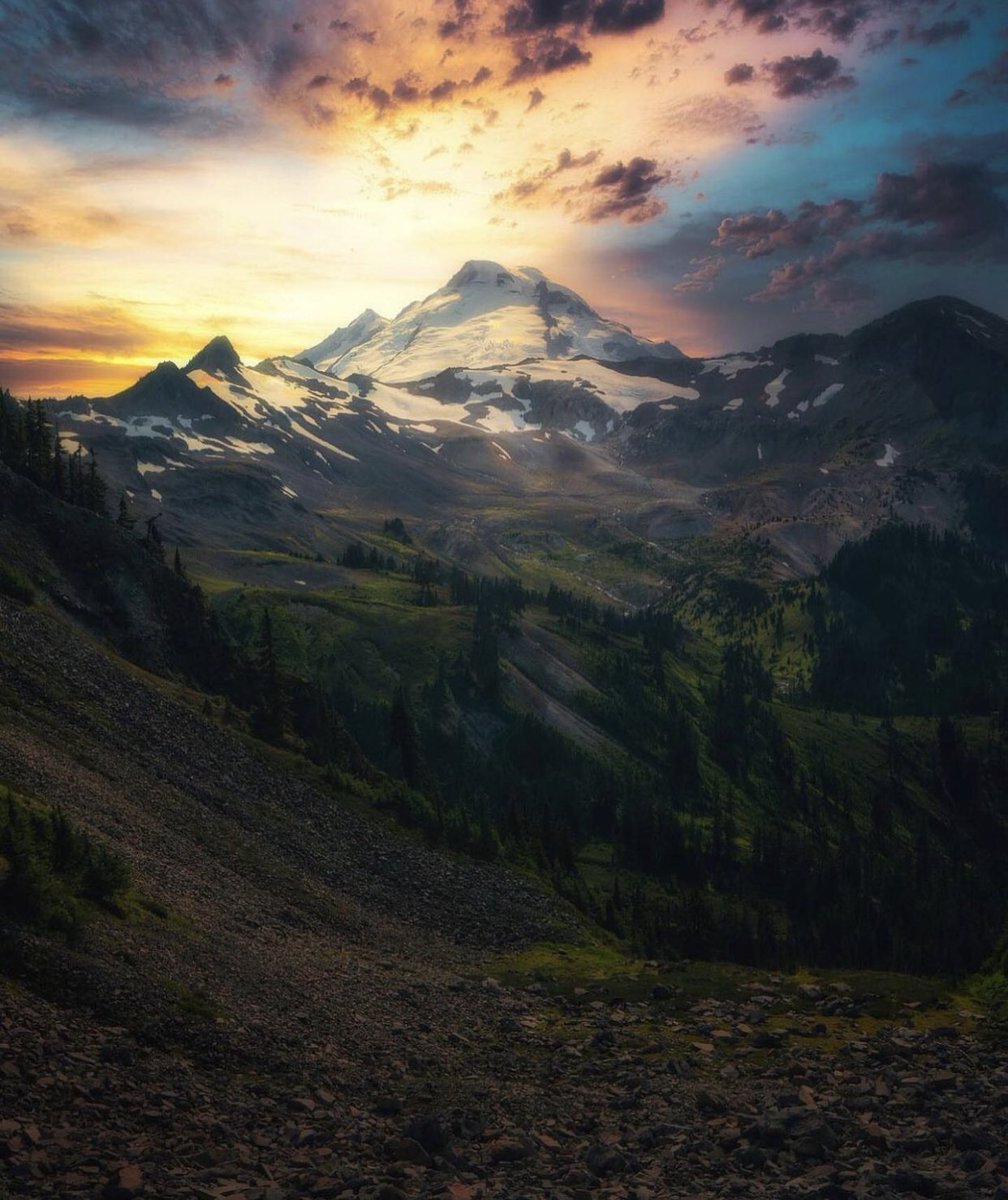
x,y
992,992
16,584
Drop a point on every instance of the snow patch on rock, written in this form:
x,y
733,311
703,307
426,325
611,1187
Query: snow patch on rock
x,y
774,388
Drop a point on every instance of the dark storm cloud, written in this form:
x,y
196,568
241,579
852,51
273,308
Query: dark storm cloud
x,y
132,31
840,23
807,75
837,19
939,32
546,56
165,65
618,192
404,91
460,25
880,39
960,202
995,75
364,90
797,276
352,31
571,162
622,16
740,73
409,90
447,88
624,191
534,188
768,16
598,16
941,212
984,83
759,234
530,16
121,102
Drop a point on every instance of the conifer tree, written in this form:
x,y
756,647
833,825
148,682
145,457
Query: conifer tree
x,y
94,487
268,716
403,734
153,541
125,519
58,469
484,659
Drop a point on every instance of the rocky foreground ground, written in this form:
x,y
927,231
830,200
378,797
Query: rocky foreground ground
x,y
533,1099
303,1004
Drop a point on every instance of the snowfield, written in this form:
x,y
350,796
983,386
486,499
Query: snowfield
x,y
485,315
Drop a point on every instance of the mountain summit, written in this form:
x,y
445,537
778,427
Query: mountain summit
x,y
218,357
341,341
485,315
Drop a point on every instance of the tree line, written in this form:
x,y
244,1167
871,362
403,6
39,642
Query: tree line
x,y
31,446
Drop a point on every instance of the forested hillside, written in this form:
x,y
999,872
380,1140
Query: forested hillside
x,y
762,772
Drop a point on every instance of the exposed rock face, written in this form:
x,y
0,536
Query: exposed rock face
x,y
218,356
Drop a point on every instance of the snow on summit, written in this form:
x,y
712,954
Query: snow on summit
x,y
340,342
485,315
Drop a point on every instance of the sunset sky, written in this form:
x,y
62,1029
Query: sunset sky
x,y
715,172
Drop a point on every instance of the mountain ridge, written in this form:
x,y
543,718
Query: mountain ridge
x,y
809,439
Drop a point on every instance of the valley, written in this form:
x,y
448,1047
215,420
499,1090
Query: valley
x,y
490,754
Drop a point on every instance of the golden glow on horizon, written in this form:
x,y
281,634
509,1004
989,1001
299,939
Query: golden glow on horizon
x,y
129,256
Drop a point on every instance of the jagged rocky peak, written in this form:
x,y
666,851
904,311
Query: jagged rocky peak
x,y
156,393
171,391
218,357
164,380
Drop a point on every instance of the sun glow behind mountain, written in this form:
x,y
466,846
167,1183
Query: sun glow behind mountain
x,y
272,170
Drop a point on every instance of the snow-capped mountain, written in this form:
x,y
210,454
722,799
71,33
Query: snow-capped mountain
x,y
808,439
485,315
340,342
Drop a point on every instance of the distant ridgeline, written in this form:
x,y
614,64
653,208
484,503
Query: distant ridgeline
x,y
30,445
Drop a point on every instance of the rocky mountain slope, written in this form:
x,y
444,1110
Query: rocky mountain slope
x,y
306,1004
